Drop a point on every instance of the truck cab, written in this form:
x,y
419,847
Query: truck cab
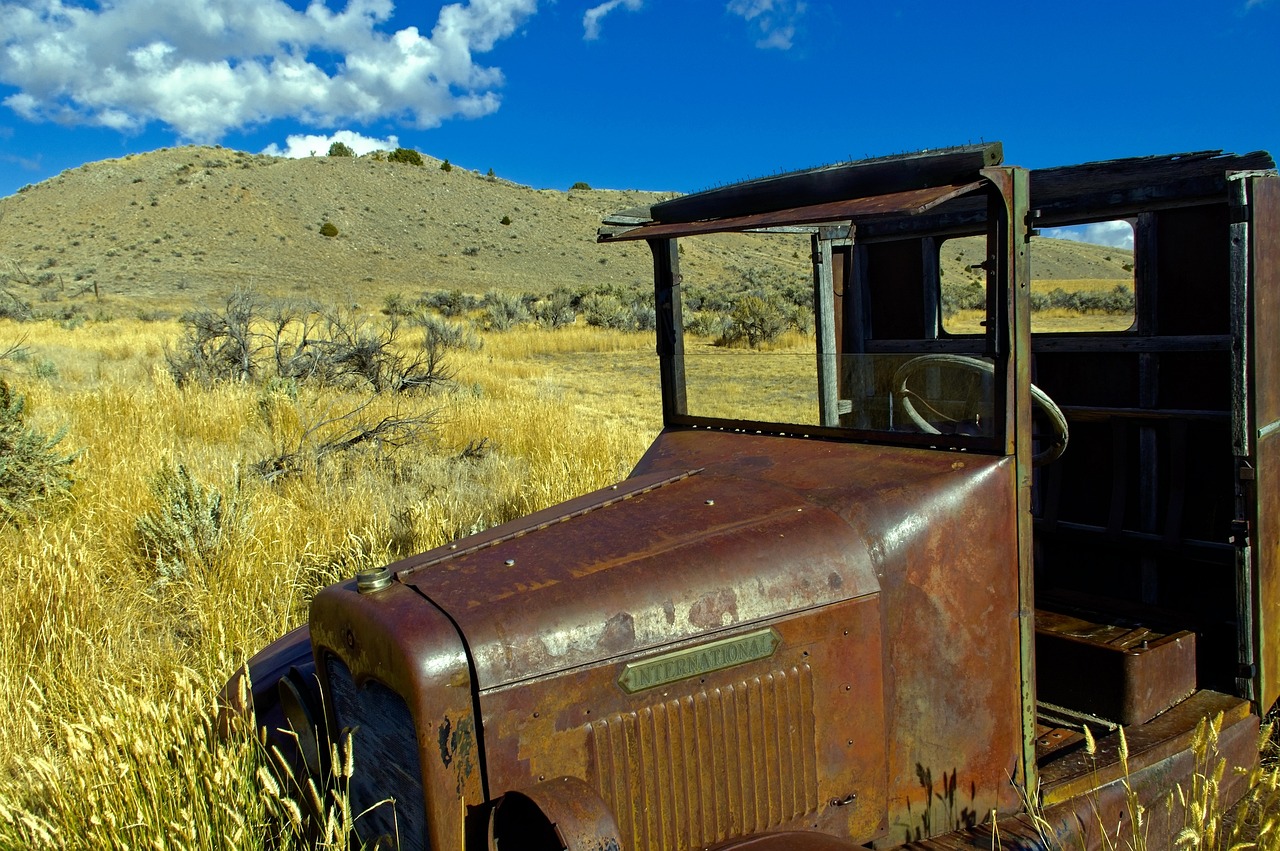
x,y
944,568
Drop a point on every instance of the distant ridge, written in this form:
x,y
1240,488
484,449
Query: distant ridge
x,y
184,225
189,222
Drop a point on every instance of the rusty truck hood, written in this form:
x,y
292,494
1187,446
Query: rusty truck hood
x,y
711,532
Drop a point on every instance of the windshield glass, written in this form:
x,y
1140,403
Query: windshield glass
x,y
765,345
903,393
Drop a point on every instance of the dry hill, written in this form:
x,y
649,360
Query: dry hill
x,y
187,223
184,225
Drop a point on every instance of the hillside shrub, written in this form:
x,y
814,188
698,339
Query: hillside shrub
x,y
580,185
554,311
405,155
329,229
1118,300
396,304
458,336
706,324
962,295
505,220
451,303
31,467
13,306
338,149
446,166
503,311
605,310
619,308
755,320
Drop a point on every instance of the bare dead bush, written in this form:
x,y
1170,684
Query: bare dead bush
x,y
249,339
300,354
304,436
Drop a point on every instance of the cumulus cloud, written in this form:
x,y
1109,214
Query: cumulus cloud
x,y
306,145
204,67
1117,234
591,20
775,20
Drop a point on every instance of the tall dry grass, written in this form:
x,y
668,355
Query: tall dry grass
x,y
109,667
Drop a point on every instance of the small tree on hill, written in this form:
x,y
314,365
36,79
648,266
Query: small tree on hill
x,y
338,149
405,155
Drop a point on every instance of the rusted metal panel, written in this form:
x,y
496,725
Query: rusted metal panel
x,y
838,182
941,533
1086,798
794,740
911,202
605,584
1124,675
1264,263
399,670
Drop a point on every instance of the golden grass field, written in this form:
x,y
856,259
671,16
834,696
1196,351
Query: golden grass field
x,y
108,675
109,672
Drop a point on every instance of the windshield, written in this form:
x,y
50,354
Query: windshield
x,y
772,339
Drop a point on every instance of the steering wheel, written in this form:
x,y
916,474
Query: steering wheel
x,y
907,399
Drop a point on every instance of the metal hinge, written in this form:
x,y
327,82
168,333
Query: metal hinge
x,y
1239,532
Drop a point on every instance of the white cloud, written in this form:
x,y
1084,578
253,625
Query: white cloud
x,y
774,19
298,146
1116,234
205,67
591,20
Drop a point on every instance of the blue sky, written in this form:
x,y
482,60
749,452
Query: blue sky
x,y
650,94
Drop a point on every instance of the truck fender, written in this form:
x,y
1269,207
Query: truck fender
x,y
277,690
561,814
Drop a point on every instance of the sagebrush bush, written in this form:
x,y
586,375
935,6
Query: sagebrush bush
x,y
503,311
451,303
620,309
449,335
755,320
555,311
190,526
962,295
1118,300
31,467
329,229
338,149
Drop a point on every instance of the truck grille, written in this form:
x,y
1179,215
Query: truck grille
x,y
705,767
386,759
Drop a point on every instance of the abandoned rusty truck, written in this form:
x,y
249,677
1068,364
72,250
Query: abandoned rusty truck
x,y
874,592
